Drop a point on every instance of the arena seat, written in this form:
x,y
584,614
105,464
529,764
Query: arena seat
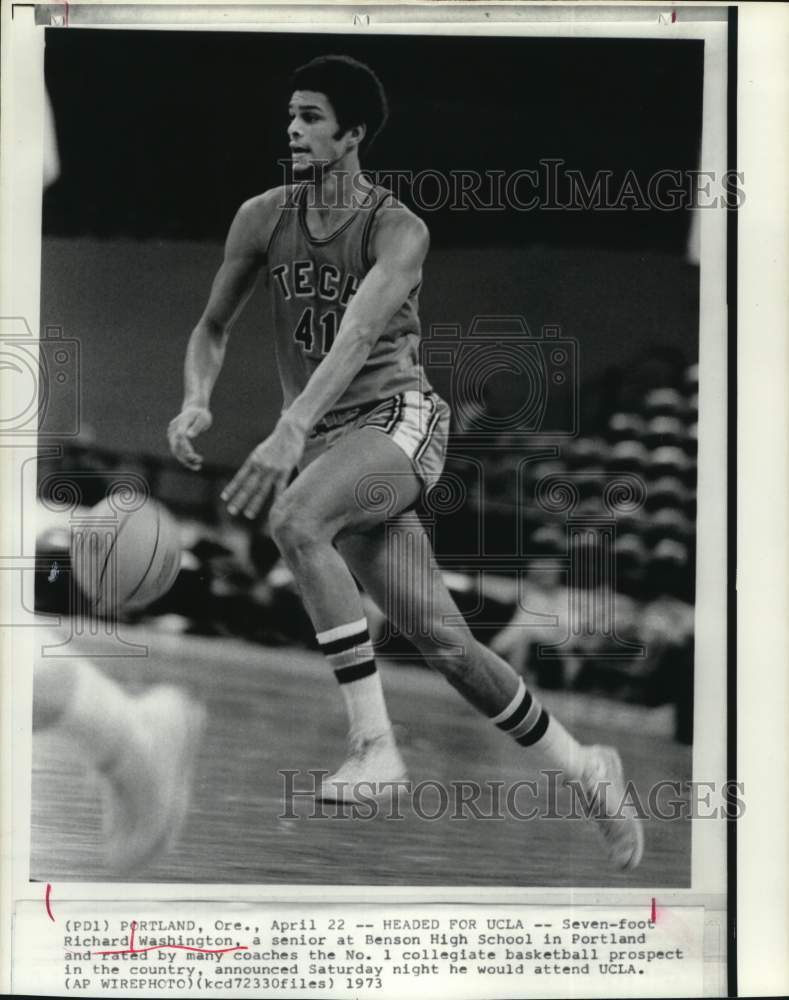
x,y
628,456
664,402
625,426
586,453
670,550
630,551
667,461
664,430
547,540
668,524
668,491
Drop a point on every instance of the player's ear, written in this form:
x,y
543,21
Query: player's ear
x,y
357,134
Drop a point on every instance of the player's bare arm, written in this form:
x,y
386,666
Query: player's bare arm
x,y
234,282
399,244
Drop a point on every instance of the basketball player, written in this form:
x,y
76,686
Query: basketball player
x,y
143,748
366,433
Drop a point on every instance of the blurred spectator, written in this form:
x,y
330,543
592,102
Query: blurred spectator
x,y
541,618
667,630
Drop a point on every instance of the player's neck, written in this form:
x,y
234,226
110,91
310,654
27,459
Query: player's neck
x,y
343,188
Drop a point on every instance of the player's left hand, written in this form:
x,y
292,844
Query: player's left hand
x,y
265,473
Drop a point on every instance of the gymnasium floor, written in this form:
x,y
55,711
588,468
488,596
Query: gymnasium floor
x,y
272,709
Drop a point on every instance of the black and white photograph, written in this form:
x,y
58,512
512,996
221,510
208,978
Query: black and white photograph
x,y
370,450
381,462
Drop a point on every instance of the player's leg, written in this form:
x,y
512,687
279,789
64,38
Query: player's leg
x,y
395,564
513,642
354,485
144,748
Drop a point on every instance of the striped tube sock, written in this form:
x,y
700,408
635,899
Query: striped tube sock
x,y
350,654
528,723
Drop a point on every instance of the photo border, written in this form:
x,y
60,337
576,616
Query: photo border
x,y
731,513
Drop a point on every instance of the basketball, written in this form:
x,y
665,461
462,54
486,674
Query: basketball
x,y
124,560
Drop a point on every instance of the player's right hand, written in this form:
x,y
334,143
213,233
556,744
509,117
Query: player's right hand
x,y
191,421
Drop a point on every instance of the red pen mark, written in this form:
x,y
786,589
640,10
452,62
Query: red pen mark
x,y
654,911
65,18
673,17
131,950
167,944
46,901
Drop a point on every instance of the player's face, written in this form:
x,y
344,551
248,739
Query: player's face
x,y
313,133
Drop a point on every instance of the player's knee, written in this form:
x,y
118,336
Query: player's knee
x,y
293,527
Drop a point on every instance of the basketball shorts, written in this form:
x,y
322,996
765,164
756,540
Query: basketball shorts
x,y
418,422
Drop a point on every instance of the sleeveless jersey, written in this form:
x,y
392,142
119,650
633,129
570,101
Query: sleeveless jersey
x,y
311,281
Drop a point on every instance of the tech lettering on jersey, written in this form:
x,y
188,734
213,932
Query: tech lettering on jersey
x,y
311,282
297,279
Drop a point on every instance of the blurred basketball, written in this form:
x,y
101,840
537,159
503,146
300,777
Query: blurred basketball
x,y
125,560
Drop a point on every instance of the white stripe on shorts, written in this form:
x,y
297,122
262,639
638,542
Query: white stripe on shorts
x,y
430,430
413,428
398,406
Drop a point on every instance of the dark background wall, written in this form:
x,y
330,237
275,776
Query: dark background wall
x,y
163,134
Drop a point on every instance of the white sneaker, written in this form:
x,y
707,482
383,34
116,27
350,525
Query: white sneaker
x,y
604,783
371,763
148,785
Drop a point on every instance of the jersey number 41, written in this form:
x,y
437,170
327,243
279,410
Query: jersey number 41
x,y
307,331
